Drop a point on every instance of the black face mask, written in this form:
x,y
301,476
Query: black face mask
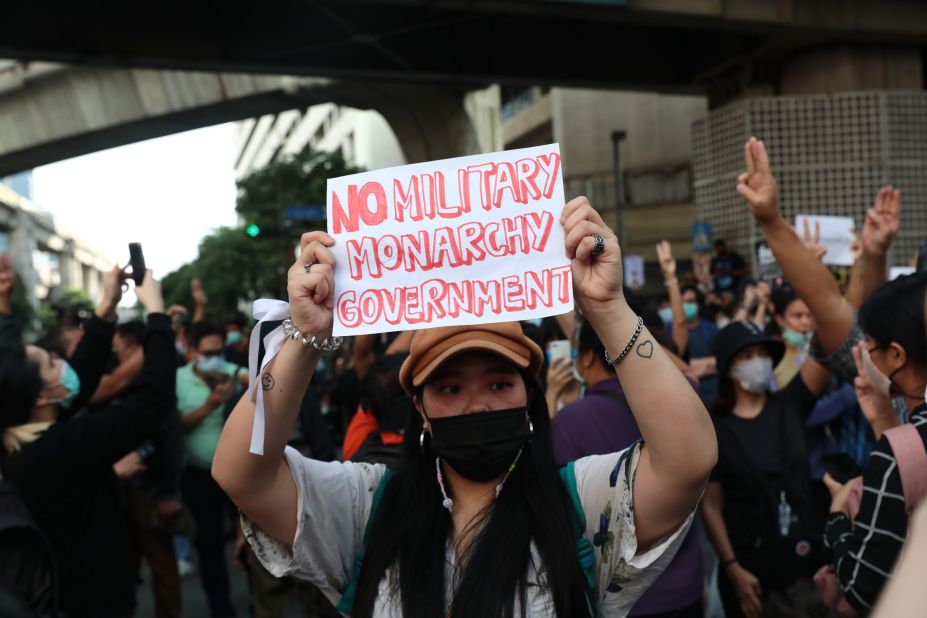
x,y
480,446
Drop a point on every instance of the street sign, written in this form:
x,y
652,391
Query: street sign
x,y
305,213
701,237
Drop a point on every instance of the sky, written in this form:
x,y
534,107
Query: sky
x,y
166,193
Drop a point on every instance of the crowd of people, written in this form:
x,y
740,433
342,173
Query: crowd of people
x,y
760,443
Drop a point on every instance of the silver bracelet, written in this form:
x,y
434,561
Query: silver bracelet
x,y
326,344
637,333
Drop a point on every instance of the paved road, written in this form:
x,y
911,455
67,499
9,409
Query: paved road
x,y
194,601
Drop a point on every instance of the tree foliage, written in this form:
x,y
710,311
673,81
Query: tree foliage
x,y
235,268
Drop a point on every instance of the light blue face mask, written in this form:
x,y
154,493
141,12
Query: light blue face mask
x,y
210,363
690,310
797,339
71,381
666,314
233,337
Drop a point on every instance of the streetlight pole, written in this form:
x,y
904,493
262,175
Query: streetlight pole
x,y
617,136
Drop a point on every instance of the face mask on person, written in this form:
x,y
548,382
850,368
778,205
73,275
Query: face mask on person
x,y
753,375
666,314
233,337
181,350
210,363
71,381
481,446
690,310
535,322
797,339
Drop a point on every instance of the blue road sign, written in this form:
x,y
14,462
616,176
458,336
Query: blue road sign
x,y
305,213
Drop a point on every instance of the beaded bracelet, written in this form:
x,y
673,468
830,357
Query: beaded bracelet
x,y
326,344
637,333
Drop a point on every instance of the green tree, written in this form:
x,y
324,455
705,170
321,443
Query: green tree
x,y
233,266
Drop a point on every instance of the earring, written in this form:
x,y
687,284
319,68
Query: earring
x,y
530,430
421,441
447,502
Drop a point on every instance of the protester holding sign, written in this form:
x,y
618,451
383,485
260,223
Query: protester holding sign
x,y
462,530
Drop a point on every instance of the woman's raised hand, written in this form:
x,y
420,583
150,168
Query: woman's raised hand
x,y
597,277
311,285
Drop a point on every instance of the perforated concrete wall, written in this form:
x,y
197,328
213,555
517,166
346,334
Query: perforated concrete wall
x,y
830,155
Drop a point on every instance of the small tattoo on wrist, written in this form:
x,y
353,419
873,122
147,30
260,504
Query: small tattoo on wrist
x,y
267,381
645,349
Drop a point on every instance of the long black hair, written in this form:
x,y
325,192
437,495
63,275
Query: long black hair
x,y
411,528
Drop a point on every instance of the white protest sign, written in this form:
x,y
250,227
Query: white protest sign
x,y
634,271
836,235
470,240
899,271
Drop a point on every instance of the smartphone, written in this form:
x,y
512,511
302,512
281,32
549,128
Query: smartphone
x,y
137,260
559,348
840,467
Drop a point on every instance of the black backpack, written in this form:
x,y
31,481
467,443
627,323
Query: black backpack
x,y
27,561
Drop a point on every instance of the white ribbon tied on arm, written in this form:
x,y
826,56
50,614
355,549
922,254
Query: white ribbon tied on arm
x,y
263,310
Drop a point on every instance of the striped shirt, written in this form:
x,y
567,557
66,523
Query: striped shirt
x,y
865,550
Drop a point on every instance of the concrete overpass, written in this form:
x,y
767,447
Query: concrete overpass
x,y
634,44
182,65
53,112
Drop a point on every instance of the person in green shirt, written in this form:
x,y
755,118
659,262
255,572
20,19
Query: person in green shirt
x,y
203,388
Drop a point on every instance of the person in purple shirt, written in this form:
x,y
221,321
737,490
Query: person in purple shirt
x,y
601,422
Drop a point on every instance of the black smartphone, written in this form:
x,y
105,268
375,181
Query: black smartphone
x,y
137,260
840,467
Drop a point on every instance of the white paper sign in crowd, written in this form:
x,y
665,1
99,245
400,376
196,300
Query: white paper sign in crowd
x,y
634,271
836,234
469,240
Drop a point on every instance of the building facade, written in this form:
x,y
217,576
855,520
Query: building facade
x,y
47,258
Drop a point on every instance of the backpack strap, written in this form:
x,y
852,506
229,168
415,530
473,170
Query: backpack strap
x,y
585,553
346,604
908,448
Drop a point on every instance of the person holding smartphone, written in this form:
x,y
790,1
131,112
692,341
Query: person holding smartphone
x,y
204,386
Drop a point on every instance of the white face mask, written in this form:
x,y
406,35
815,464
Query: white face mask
x,y
753,375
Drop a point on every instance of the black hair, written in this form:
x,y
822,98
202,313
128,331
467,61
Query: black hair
x,y
700,298
237,320
782,297
197,331
411,529
895,313
132,332
382,395
53,342
20,386
589,340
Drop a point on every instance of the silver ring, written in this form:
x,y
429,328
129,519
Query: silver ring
x,y
599,247
308,267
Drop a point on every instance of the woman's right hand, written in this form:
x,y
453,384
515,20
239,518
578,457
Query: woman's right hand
x,y
748,589
312,293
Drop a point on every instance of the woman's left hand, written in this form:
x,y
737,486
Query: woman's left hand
x,y
839,494
597,279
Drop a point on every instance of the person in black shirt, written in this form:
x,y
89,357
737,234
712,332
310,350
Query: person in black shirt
x,y
727,268
758,507
63,469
